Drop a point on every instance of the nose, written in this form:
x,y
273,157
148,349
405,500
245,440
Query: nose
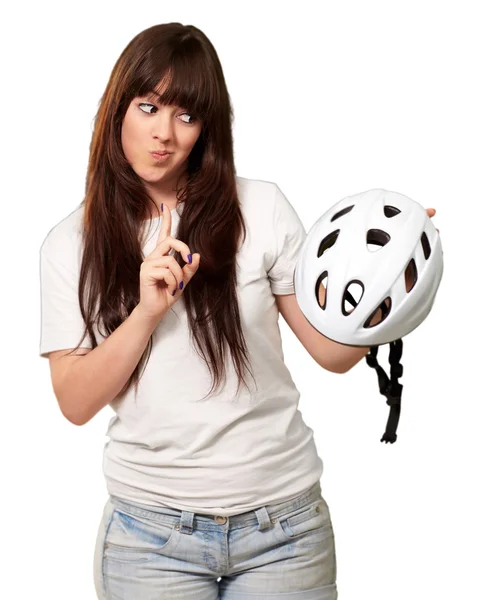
x,y
164,126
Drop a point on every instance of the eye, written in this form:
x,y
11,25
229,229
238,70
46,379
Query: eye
x,y
146,104
193,119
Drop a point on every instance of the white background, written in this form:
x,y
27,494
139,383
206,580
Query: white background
x,y
330,99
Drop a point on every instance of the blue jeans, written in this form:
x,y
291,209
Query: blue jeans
x,y
284,551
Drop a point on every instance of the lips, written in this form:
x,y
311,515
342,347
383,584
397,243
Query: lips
x,y
161,158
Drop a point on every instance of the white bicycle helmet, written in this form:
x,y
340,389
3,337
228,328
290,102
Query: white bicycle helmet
x,y
371,247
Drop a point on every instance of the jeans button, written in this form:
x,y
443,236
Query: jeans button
x,y
221,520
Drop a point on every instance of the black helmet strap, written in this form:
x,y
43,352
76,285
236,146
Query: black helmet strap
x,y
390,388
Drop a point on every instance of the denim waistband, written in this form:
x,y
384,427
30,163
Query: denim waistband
x,y
262,515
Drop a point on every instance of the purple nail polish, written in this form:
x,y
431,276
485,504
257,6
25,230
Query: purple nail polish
x,y
189,258
161,207
181,285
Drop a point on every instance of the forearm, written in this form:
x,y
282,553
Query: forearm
x,y
97,377
341,358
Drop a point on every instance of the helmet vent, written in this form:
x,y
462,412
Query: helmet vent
x,y
426,245
391,211
376,239
352,296
411,275
385,307
319,292
327,242
342,212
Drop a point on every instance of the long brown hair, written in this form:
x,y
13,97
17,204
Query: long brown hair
x,y
116,202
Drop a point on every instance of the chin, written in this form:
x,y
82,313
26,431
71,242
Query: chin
x,y
153,173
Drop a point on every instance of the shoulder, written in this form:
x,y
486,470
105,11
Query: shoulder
x,y
66,234
247,185
257,195
255,187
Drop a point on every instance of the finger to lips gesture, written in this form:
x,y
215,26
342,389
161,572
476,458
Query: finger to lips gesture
x,y
161,277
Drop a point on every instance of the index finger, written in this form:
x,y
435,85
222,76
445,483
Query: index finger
x,y
166,225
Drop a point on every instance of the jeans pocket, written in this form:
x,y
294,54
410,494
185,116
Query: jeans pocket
x,y
133,539
312,521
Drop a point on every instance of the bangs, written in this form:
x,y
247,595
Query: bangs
x,y
184,82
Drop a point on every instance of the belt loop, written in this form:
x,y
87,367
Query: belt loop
x,y
186,520
263,518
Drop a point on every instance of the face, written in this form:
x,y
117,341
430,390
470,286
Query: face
x,y
147,127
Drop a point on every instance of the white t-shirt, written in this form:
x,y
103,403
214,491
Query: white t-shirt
x,y
228,453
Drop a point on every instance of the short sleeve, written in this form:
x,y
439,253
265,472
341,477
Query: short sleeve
x,y
62,324
290,235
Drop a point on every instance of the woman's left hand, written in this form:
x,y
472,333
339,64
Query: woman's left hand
x,y
431,213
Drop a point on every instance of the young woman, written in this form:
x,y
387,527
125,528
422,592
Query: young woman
x,y
172,274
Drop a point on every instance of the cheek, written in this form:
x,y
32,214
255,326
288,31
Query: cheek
x,y
130,142
191,141
125,143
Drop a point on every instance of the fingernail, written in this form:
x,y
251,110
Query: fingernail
x,y
189,258
161,207
181,285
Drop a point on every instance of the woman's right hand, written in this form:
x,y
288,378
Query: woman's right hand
x,y
161,275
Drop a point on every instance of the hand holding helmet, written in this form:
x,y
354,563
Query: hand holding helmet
x,y
382,260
